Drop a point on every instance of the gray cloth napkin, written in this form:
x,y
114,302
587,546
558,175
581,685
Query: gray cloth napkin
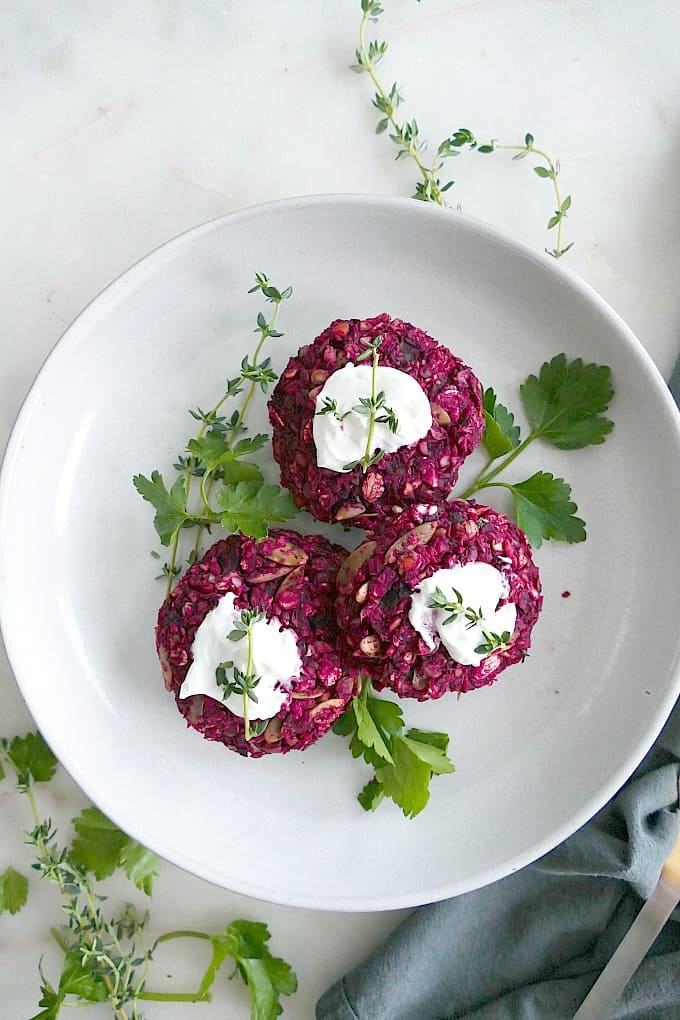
x,y
530,946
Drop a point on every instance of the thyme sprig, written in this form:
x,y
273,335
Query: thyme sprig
x,y
219,454
406,135
242,682
474,618
372,406
550,171
330,406
106,958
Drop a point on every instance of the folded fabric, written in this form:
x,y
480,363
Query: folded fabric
x,y
530,946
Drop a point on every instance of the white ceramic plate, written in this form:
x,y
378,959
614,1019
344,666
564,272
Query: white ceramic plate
x,y
536,754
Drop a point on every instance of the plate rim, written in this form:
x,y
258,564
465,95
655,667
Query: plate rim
x,y
13,450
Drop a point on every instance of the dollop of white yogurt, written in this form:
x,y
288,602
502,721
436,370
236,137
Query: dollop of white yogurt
x,y
341,442
276,660
481,587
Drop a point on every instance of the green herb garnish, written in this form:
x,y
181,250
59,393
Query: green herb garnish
x,y
406,135
242,683
106,958
330,406
13,890
372,406
565,405
216,455
473,617
101,847
492,642
404,762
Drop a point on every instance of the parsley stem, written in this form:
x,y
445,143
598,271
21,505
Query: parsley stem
x,y
182,933
34,806
412,150
483,480
198,995
175,996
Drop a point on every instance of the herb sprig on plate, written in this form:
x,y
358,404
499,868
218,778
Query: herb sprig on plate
x,y
106,958
565,405
243,682
456,607
373,406
406,136
244,502
404,760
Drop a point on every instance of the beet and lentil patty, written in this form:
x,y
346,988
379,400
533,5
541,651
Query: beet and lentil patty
x,y
286,576
376,581
423,472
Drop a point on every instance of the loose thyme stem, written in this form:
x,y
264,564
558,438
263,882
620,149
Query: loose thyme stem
x,y
406,135
427,174
552,172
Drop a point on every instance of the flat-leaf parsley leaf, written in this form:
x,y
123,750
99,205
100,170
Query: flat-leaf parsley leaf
x,y
101,847
13,890
249,507
31,759
170,505
404,763
564,403
544,509
501,435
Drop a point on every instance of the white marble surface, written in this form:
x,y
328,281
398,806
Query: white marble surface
x,y
123,124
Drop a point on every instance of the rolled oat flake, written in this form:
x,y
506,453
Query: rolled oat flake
x,y
340,435
481,588
276,660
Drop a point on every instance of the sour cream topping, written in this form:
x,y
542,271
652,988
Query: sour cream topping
x,y
276,660
341,442
481,587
